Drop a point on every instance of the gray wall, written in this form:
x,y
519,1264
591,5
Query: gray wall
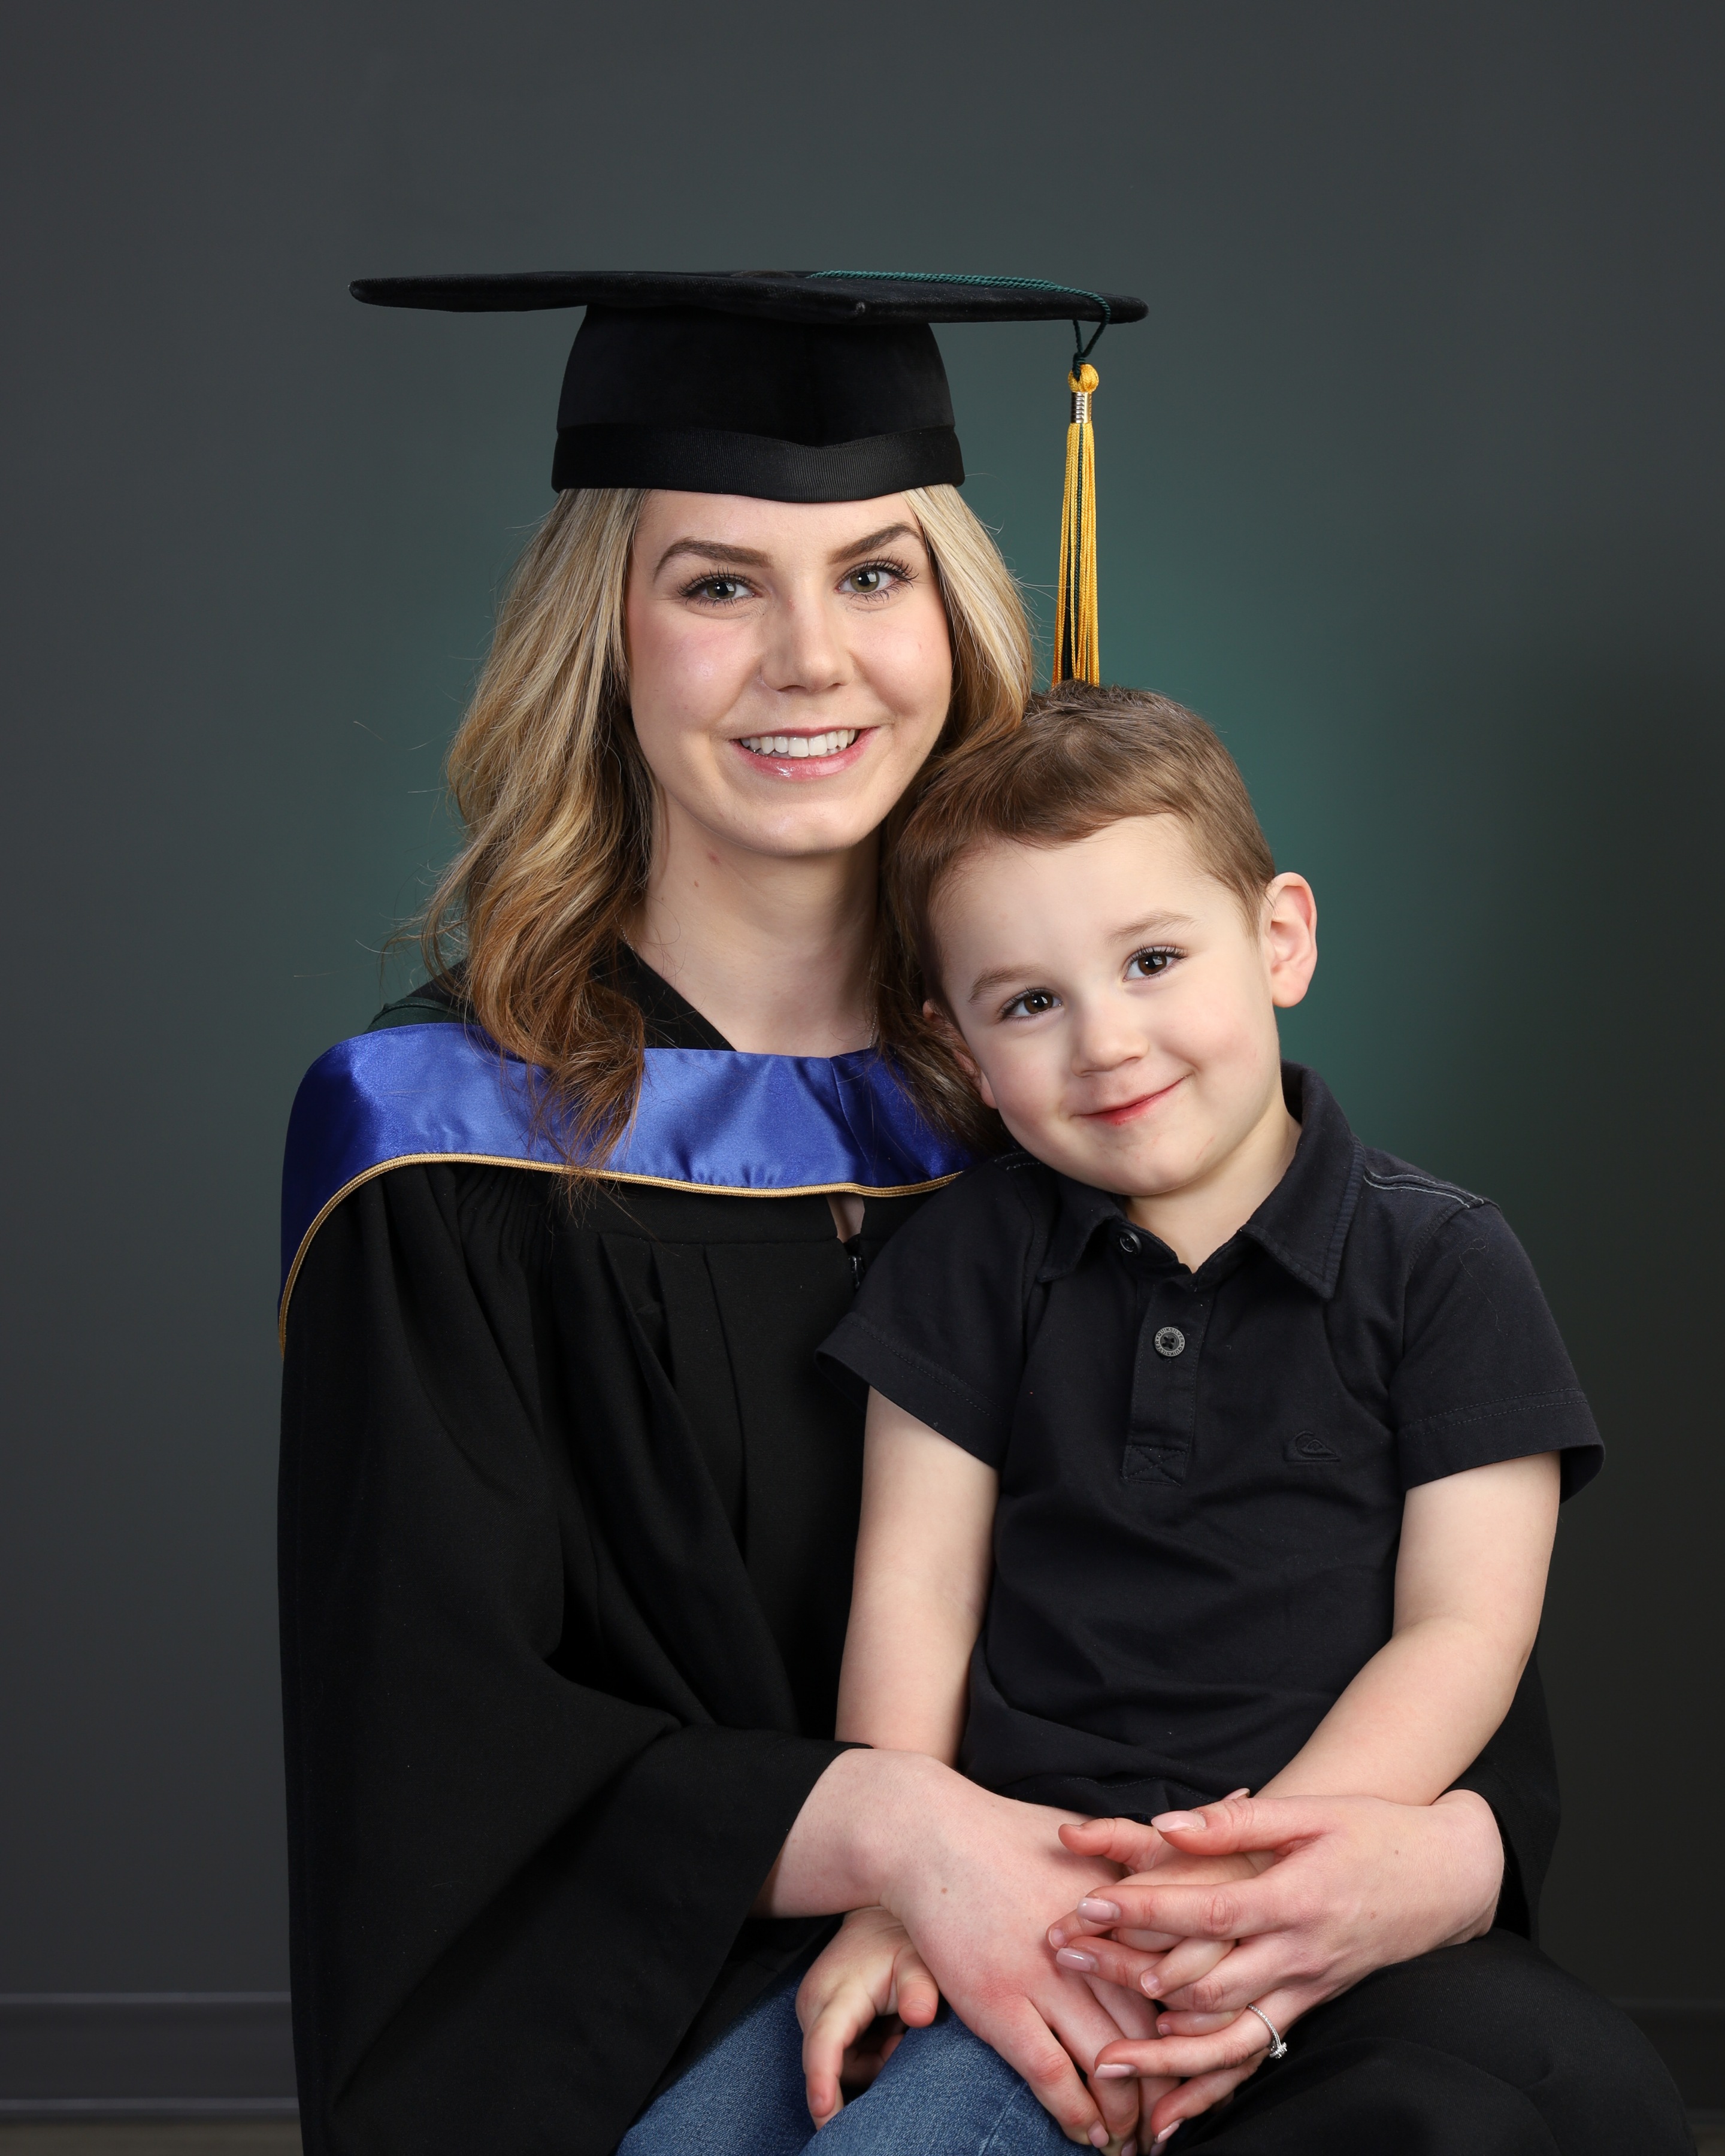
x,y
1411,484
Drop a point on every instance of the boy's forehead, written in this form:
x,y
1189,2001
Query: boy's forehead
x,y
1127,853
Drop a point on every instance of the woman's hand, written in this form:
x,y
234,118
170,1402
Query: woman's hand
x,y
868,1971
974,1888
1352,1885
1163,2103
1142,1852
976,1879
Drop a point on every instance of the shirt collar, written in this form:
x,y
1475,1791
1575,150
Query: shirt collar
x,y
1302,1223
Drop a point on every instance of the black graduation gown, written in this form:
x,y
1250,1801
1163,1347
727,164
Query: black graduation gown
x,y
567,1524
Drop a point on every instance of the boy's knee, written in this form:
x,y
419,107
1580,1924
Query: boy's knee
x,y
945,2089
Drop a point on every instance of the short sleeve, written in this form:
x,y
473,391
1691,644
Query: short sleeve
x,y
938,1323
1484,1375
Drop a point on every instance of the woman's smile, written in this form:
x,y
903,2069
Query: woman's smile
x,y
807,755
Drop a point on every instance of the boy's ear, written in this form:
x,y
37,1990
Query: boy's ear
x,y
1290,938
936,1018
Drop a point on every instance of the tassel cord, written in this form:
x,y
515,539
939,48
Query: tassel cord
x,y
1077,639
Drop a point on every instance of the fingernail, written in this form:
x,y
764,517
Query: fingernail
x,y
1099,2137
1179,1822
1071,1957
1110,2073
1164,2027
1128,2148
1168,2132
1057,1935
1095,1911
1148,1982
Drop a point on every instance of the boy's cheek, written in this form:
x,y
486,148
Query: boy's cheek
x,y
1011,1090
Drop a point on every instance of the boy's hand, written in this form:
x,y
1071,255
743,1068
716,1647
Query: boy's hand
x,y
868,1971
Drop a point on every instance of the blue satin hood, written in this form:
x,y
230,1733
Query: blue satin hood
x,y
708,1119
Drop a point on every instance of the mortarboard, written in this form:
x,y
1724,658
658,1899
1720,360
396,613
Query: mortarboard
x,y
794,385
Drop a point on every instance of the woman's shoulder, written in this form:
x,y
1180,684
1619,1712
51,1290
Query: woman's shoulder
x,y
433,1003
669,1020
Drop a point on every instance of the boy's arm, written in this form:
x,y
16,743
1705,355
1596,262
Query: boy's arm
x,y
1469,1583
922,1565
916,1607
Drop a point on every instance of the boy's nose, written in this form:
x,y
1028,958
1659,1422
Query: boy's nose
x,y
1106,1038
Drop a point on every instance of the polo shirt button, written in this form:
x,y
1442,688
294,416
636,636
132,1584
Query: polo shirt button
x,y
1170,1341
1129,1243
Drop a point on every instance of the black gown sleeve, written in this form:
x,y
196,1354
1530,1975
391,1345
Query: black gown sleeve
x,y
1516,1774
523,1842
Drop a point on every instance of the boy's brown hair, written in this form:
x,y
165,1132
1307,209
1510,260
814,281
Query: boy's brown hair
x,y
1085,757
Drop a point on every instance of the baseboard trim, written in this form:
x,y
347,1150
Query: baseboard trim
x,y
147,2054
230,2054
46,2109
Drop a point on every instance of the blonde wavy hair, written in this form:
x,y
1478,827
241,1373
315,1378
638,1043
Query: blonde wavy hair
x,y
556,804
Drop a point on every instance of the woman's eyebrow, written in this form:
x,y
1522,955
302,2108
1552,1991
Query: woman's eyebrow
x,y
872,540
751,557
712,550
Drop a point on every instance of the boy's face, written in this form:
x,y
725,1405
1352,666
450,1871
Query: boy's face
x,y
1119,1009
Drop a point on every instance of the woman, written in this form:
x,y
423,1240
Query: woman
x,y
566,1513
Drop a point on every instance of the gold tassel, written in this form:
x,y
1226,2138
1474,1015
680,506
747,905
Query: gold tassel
x,y
1077,650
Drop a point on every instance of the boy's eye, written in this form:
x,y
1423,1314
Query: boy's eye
x,y
1032,1004
1145,965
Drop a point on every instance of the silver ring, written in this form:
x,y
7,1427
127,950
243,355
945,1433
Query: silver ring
x,y
1278,2050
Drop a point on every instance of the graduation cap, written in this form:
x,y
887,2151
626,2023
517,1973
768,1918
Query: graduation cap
x,y
805,385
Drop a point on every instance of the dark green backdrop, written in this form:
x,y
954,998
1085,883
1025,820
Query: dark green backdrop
x,y
1410,483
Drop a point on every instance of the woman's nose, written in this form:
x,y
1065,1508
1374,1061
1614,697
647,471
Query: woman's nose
x,y
804,650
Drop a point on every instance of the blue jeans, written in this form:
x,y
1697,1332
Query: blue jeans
x,y
942,2092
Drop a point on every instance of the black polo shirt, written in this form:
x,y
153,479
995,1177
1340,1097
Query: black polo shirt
x,y
1202,1473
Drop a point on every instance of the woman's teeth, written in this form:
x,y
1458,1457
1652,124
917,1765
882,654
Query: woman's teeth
x,y
801,744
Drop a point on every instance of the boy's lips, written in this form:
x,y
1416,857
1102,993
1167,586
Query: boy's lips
x,y
1128,1111
806,753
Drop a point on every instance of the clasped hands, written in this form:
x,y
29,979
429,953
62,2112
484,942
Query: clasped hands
x,y
871,1983
1240,1902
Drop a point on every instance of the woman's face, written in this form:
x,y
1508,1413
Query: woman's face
x,y
790,665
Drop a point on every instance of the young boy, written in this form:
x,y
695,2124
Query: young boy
x,y
1207,1448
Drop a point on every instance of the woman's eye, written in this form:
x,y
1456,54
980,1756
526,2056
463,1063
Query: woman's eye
x,y
872,579
718,591
1032,1004
1145,965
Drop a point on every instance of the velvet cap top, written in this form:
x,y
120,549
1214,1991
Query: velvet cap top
x,y
791,385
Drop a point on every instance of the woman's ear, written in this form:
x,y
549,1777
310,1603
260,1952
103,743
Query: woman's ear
x,y
1290,938
938,1022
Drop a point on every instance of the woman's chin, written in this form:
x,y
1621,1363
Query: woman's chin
x,y
798,818
805,826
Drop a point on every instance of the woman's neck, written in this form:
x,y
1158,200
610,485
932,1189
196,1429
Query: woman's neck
x,y
775,951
